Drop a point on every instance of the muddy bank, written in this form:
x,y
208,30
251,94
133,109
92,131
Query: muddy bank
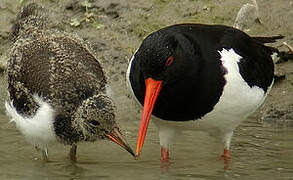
x,y
115,29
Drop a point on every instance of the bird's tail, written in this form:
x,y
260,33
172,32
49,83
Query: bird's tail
x,y
30,16
273,50
271,39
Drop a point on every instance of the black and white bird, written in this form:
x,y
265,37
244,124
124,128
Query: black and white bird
x,y
57,87
212,76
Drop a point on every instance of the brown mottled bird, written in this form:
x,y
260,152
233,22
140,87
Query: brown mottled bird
x,y
57,87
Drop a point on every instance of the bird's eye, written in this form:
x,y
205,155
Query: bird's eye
x,y
94,123
169,61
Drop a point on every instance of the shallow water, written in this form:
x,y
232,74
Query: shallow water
x,y
259,151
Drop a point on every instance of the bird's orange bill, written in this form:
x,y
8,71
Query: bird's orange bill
x,y
152,91
117,138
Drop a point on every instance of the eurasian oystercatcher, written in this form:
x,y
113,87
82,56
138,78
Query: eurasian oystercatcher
x,y
212,75
57,87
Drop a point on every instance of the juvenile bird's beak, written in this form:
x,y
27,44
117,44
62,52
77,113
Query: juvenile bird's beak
x,y
116,136
152,91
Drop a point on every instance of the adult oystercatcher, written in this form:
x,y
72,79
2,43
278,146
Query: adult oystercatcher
x,y
57,87
214,74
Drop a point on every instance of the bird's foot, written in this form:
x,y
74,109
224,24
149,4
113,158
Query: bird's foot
x,y
227,159
226,154
45,154
164,155
164,160
72,153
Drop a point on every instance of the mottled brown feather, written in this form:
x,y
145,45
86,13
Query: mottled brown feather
x,y
60,68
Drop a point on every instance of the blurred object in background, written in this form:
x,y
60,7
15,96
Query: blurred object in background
x,y
247,16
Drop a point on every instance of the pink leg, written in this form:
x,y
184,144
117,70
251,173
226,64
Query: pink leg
x,y
164,154
226,154
164,160
227,159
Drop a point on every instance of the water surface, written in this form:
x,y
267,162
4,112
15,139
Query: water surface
x,y
259,151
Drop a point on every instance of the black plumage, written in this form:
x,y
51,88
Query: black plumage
x,y
198,67
214,74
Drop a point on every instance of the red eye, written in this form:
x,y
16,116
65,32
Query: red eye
x,y
169,61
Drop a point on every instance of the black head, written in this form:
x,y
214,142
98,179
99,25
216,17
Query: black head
x,y
163,55
164,58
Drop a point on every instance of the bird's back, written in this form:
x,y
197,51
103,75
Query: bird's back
x,y
256,65
58,67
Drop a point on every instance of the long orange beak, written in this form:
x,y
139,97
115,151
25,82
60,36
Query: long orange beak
x,y
153,88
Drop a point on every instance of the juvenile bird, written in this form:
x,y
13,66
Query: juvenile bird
x,y
57,87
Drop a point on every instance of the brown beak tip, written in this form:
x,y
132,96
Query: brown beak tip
x,y
131,152
118,139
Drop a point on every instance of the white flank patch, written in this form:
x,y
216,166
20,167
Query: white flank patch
x,y
38,129
238,100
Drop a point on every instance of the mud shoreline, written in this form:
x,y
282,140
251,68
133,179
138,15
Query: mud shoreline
x,y
115,29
